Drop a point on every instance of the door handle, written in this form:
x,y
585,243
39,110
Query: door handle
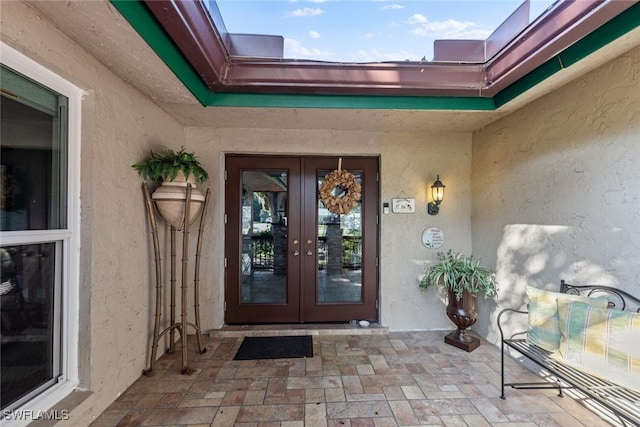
x,y
296,253
309,253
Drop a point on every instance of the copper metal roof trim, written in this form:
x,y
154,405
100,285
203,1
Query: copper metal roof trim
x,y
192,29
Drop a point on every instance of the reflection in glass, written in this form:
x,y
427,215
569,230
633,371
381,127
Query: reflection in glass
x,y
30,348
339,251
31,169
264,237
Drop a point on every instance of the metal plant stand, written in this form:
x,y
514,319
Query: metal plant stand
x,y
182,325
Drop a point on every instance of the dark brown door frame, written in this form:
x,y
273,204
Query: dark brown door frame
x,y
235,312
317,312
302,226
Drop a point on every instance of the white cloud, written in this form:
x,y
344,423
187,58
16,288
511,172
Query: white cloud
x,y
295,49
314,34
392,7
304,12
447,29
417,19
378,35
316,1
378,55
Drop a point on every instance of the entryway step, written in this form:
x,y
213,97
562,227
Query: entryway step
x,y
297,329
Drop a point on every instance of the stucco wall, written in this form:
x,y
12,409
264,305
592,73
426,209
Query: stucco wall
x,y
554,196
409,165
119,125
555,188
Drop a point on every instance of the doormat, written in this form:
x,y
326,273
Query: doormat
x,y
280,347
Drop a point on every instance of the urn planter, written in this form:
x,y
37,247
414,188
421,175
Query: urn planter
x,y
178,171
464,279
170,199
462,312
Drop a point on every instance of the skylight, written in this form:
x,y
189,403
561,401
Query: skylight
x,y
516,55
365,31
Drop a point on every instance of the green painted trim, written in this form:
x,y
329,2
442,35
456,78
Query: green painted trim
x,y
349,102
525,83
615,28
143,21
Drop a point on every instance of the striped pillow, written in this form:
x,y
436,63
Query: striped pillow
x,y
543,316
602,342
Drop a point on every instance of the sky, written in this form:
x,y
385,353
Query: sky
x,y
368,30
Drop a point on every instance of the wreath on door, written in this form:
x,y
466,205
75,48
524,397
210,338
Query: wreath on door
x,y
339,191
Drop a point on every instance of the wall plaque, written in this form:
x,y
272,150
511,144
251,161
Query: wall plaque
x,y
433,238
403,205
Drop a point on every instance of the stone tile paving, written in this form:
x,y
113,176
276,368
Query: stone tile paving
x,y
388,379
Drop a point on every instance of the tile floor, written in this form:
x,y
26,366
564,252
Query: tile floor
x,y
356,378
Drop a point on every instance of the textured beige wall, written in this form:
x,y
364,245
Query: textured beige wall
x,y
555,188
119,125
409,164
554,195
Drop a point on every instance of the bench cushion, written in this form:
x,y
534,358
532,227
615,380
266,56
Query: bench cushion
x,y
603,342
543,328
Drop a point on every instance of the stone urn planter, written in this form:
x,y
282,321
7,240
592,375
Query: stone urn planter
x,y
170,199
178,170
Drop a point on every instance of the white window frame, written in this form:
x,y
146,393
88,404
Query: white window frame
x,y
70,236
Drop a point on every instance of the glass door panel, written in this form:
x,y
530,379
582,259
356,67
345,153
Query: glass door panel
x,y
264,237
339,251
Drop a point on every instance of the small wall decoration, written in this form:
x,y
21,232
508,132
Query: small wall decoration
x,y
433,238
403,205
339,191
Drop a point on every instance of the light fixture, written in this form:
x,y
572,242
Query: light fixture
x,y
437,193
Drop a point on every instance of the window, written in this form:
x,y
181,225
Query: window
x,y
38,236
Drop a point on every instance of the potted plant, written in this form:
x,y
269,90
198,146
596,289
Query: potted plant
x,y
168,165
464,279
177,170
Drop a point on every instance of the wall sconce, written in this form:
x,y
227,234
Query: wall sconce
x,y
437,193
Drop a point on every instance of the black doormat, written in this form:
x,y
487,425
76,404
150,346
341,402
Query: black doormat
x,y
280,347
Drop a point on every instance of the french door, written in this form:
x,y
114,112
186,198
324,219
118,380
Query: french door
x,y
288,258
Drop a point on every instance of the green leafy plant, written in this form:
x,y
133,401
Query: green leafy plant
x,y
167,164
458,273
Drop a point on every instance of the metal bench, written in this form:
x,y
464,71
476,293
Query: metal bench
x,y
623,403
